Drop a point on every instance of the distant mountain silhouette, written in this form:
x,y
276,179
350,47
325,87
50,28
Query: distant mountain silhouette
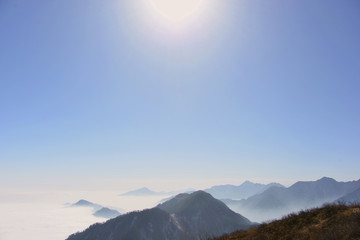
x,y
106,213
350,198
147,192
243,191
142,192
85,203
98,210
324,189
276,201
185,217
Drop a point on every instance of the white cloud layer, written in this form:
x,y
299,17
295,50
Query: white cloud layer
x,y
44,216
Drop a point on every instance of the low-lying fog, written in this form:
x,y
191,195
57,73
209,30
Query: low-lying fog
x,y
47,215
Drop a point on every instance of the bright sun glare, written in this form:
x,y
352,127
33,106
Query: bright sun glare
x,y
176,10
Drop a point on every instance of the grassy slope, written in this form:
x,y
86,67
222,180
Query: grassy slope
x,y
329,222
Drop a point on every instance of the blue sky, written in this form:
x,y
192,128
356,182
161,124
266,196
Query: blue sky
x,y
253,89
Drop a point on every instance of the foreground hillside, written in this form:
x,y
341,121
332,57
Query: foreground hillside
x,y
327,223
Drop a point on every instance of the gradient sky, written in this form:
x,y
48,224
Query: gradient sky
x,y
96,91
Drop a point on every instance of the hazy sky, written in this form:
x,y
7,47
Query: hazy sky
x,y
111,92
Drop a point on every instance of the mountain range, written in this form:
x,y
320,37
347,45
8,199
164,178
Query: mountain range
x,y
198,215
278,201
245,190
185,217
143,192
228,191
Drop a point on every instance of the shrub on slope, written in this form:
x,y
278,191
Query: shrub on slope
x,y
325,223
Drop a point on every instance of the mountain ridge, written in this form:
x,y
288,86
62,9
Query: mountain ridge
x,y
276,201
185,217
144,191
243,191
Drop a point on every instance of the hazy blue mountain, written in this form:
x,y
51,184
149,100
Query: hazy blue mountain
x,y
142,192
85,203
106,213
245,190
324,189
147,192
185,217
350,198
277,201
98,210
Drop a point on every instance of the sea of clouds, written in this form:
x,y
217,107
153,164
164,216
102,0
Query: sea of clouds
x,y
49,215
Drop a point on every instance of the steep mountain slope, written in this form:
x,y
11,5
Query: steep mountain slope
x,y
275,201
148,224
185,217
245,190
335,222
350,198
201,214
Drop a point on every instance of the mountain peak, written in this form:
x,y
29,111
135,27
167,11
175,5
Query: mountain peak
x,y
247,183
188,202
83,202
144,191
326,179
201,213
106,213
199,203
201,194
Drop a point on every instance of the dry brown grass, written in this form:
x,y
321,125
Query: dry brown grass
x,y
330,222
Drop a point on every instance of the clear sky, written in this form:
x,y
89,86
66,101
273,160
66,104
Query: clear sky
x,y
113,91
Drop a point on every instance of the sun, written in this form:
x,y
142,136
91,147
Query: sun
x,y
176,10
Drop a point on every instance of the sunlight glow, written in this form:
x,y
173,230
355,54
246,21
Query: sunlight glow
x,y
176,10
